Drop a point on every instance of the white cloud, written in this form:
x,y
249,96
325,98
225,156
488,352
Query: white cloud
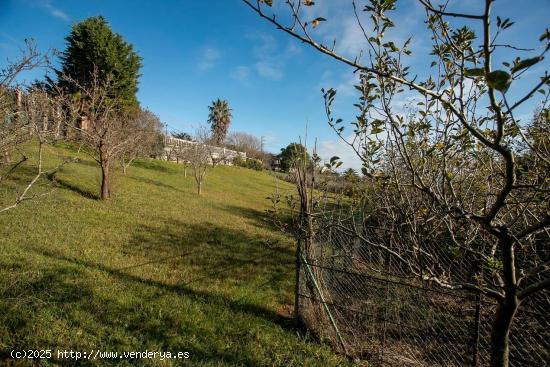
x,y
329,148
268,70
347,83
265,46
55,12
271,57
342,26
209,57
241,73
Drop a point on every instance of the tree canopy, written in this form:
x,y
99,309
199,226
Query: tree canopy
x,y
92,45
291,154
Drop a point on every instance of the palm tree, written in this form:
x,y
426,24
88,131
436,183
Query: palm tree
x,y
220,118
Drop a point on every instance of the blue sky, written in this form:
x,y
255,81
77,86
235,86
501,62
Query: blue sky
x,y
195,51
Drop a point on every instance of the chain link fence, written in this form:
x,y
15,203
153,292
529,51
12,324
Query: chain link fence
x,y
358,298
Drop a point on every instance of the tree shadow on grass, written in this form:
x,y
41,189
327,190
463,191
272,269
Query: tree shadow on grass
x,y
34,298
179,289
138,326
153,165
258,218
72,187
59,292
218,252
213,253
219,273
154,183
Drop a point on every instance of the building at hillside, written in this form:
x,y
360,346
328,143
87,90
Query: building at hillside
x,y
174,150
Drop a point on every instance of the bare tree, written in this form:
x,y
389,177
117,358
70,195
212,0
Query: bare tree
x,y
145,130
179,153
448,167
103,125
244,142
198,155
14,129
25,117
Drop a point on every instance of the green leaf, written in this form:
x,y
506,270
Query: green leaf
x,y
474,72
391,46
499,80
526,63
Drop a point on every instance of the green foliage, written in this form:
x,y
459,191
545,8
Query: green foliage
x,y
93,45
474,72
350,175
525,63
251,163
219,118
254,164
292,154
499,80
183,136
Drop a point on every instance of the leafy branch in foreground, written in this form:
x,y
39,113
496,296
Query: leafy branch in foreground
x,y
455,166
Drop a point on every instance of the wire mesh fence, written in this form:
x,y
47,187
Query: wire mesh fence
x,y
362,301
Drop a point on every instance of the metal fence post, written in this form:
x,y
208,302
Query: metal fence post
x,y
476,330
297,284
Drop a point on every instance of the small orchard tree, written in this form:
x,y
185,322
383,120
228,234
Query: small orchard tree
x,y
144,130
449,166
180,153
25,117
198,156
13,128
105,127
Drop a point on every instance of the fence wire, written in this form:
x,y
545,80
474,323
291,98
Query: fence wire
x,y
360,300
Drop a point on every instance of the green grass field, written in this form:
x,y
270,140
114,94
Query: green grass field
x,y
156,268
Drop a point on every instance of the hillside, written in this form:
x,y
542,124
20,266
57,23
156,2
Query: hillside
x,y
156,268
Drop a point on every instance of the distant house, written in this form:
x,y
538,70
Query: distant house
x,y
218,155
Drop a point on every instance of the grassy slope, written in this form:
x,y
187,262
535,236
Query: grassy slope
x,y
156,268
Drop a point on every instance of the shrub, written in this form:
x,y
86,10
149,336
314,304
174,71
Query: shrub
x,y
250,163
254,164
239,161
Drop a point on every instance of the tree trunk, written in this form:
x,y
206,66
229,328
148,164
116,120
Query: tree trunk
x,y
199,187
105,178
500,333
506,309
